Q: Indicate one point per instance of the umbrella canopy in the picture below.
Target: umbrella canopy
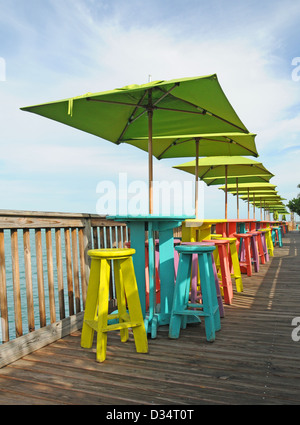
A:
(218, 169)
(160, 108)
(229, 144)
(180, 146)
(250, 187)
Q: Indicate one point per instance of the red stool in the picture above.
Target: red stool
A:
(261, 252)
(244, 242)
(224, 265)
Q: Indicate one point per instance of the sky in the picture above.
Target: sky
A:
(55, 49)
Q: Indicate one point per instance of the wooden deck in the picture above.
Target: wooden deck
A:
(253, 360)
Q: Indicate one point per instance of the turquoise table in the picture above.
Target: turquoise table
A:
(157, 315)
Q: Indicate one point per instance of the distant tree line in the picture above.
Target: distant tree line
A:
(294, 204)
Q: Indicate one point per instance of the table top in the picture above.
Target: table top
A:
(148, 218)
(196, 222)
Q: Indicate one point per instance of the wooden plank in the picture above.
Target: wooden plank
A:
(69, 271)
(82, 267)
(95, 238)
(102, 243)
(29, 343)
(3, 292)
(60, 280)
(16, 283)
(87, 244)
(50, 276)
(76, 270)
(38, 222)
(40, 276)
(28, 279)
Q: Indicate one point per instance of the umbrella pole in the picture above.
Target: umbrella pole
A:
(260, 210)
(237, 198)
(226, 192)
(254, 206)
(150, 157)
(197, 177)
(248, 203)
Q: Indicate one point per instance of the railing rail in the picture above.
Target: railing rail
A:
(57, 265)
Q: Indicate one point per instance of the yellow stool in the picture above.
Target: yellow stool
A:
(234, 259)
(96, 312)
(268, 235)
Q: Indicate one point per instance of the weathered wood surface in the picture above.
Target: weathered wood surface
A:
(253, 360)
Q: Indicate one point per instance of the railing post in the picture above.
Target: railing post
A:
(87, 244)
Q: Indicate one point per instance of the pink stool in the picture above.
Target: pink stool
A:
(195, 294)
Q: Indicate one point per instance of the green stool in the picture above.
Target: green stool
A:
(182, 308)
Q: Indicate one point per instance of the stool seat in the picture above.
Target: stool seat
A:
(129, 313)
(111, 253)
(194, 249)
(182, 309)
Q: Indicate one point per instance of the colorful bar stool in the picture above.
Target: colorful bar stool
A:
(222, 263)
(264, 243)
(209, 309)
(195, 288)
(96, 315)
(276, 236)
(244, 242)
(235, 269)
(269, 241)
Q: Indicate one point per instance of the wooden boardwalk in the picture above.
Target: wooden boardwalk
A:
(254, 359)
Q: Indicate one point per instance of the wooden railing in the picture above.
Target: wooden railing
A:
(44, 271)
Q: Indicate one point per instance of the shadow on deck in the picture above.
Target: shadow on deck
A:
(254, 359)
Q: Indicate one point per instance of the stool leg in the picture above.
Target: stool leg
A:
(248, 257)
(218, 291)
(134, 305)
(103, 310)
(255, 253)
(87, 333)
(182, 285)
(280, 237)
(226, 276)
(261, 249)
(208, 289)
(236, 267)
(120, 292)
(194, 283)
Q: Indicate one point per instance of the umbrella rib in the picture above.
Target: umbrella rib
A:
(167, 148)
(130, 119)
(203, 112)
(154, 104)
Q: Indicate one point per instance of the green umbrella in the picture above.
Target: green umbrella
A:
(250, 187)
(160, 108)
(257, 188)
(229, 144)
(218, 169)
(258, 199)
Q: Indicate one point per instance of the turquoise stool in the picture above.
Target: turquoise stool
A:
(209, 308)
(277, 236)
